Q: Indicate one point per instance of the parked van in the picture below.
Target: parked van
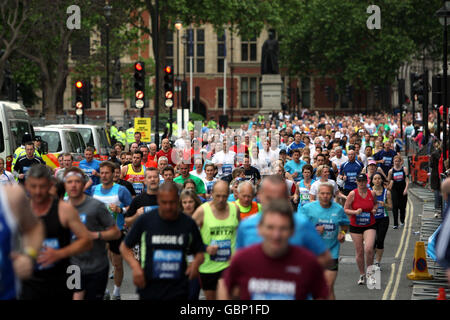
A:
(14, 123)
(59, 141)
(93, 136)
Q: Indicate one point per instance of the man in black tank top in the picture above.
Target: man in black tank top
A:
(61, 220)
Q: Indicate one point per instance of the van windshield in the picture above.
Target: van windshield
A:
(75, 145)
(53, 140)
(18, 129)
(87, 135)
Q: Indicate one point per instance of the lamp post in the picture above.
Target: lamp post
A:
(443, 14)
(107, 11)
(178, 26)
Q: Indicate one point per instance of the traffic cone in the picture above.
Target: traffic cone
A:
(441, 294)
(420, 268)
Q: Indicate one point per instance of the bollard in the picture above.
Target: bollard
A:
(420, 268)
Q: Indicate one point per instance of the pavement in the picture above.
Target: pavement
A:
(430, 221)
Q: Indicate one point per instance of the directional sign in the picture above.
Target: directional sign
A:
(139, 104)
(79, 112)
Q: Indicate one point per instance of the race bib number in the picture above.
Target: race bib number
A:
(224, 252)
(387, 161)
(138, 187)
(167, 264)
(363, 219)
(380, 213)
(25, 169)
(304, 196)
(398, 176)
(48, 243)
(329, 230)
(351, 177)
(227, 169)
(88, 171)
(265, 289)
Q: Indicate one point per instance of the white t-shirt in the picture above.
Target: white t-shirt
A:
(202, 175)
(316, 184)
(339, 162)
(227, 161)
(7, 177)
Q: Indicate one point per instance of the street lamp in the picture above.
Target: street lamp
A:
(107, 11)
(443, 14)
(178, 26)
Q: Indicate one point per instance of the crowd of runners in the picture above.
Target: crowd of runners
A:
(257, 212)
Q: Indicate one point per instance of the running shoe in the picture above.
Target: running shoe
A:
(402, 225)
(111, 275)
(395, 227)
(107, 296)
(362, 279)
(113, 297)
(378, 265)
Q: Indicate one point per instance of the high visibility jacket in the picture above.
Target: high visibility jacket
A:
(20, 151)
(114, 132)
(130, 135)
(122, 137)
(190, 126)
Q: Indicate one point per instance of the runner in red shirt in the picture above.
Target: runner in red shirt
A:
(166, 151)
(361, 205)
(274, 269)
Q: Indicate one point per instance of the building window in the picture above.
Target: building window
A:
(196, 50)
(220, 98)
(250, 93)
(248, 49)
(306, 93)
(221, 53)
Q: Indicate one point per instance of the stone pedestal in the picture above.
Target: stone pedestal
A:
(271, 87)
(117, 111)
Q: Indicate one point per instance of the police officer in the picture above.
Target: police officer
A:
(121, 136)
(130, 133)
(114, 133)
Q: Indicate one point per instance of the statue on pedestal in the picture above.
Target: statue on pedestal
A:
(269, 58)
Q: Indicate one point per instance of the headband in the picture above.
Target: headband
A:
(72, 174)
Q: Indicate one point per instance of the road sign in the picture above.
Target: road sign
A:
(139, 104)
(143, 125)
(79, 112)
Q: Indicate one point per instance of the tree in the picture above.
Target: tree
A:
(13, 14)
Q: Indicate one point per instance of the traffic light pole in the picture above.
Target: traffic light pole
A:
(157, 73)
(425, 105)
(444, 89)
(107, 70)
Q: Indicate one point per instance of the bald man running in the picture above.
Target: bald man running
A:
(218, 221)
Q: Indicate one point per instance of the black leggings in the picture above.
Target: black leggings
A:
(382, 226)
(398, 204)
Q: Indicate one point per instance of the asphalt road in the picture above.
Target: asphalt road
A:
(396, 263)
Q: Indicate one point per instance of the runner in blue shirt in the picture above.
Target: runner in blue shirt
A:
(349, 171)
(297, 144)
(385, 157)
(305, 235)
(295, 166)
(304, 185)
(328, 216)
(91, 167)
(116, 197)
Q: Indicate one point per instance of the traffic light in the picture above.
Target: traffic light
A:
(436, 90)
(168, 86)
(418, 87)
(79, 96)
(349, 92)
(87, 94)
(139, 84)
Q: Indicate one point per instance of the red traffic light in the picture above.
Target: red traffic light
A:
(169, 95)
(79, 84)
(168, 69)
(138, 66)
(79, 105)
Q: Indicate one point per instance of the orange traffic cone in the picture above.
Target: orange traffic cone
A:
(441, 294)
(420, 268)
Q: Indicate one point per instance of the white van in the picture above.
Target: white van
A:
(59, 141)
(93, 136)
(14, 123)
